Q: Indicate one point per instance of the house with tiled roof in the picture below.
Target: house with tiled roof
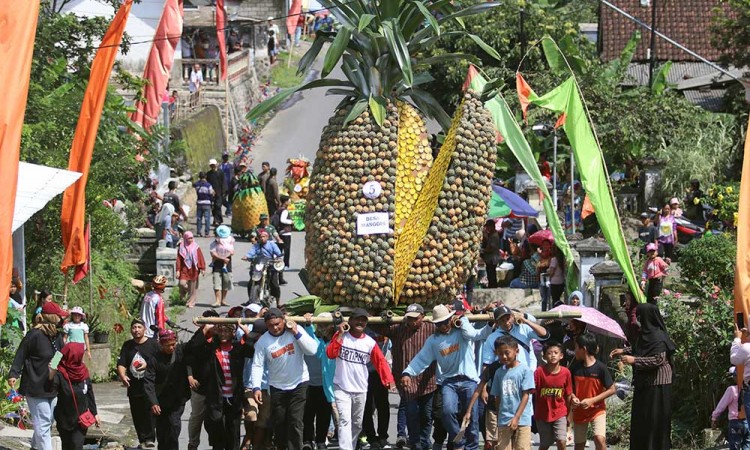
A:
(687, 22)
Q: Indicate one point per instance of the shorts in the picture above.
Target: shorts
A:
(260, 414)
(598, 426)
(508, 439)
(551, 432)
(490, 424)
(222, 281)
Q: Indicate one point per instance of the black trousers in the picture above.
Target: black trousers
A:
(491, 274)
(216, 210)
(287, 247)
(317, 415)
(557, 291)
(439, 433)
(168, 427)
(287, 413)
(143, 420)
(224, 434)
(72, 439)
(377, 401)
(653, 290)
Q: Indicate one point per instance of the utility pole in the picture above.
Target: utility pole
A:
(652, 45)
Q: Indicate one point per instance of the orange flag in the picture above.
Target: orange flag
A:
(742, 269)
(73, 215)
(221, 24)
(159, 64)
(18, 21)
(295, 9)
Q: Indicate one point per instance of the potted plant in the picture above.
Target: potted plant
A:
(98, 335)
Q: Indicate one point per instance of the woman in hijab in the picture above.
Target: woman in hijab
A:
(651, 358)
(190, 265)
(75, 394)
(31, 363)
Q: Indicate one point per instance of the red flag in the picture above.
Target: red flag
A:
(16, 47)
(159, 64)
(293, 17)
(524, 91)
(73, 216)
(221, 24)
(83, 269)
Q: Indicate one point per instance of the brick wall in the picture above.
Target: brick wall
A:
(262, 9)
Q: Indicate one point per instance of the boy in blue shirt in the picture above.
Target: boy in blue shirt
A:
(512, 386)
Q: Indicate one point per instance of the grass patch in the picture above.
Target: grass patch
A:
(283, 75)
(175, 311)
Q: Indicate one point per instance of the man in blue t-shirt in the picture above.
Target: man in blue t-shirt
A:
(205, 194)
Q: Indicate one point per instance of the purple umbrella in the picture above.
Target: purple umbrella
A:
(595, 321)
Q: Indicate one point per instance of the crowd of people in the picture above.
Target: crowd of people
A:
(272, 382)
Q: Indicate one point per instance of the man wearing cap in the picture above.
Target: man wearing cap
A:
(353, 350)
(167, 389)
(452, 349)
(281, 350)
(408, 338)
(225, 360)
(152, 307)
(264, 248)
(227, 169)
(216, 179)
(131, 369)
(205, 193)
(267, 227)
(517, 326)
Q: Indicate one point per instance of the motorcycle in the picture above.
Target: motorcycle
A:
(259, 286)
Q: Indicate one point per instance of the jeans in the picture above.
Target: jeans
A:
(287, 412)
(439, 434)
(738, 435)
(377, 402)
(197, 413)
(544, 292)
(351, 408)
(419, 420)
(42, 415)
(143, 420)
(317, 415)
(457, 393)
(168, 427)
(203, 217)
(401, 418)
(518, 284)
(297, 35)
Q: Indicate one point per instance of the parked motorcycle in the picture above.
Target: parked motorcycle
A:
(262, 273)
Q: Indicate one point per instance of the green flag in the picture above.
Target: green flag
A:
(566, 100)
(510, 131)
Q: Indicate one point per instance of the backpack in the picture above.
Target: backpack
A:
(276, 220)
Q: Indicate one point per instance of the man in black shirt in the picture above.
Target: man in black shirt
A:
(216, 179)
(131, 368)
(198, 374)
(172, 197)
(647, 231)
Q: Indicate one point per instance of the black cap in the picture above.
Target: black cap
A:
(210, 313)
(273, 313)
(501, 311)
(359, 312)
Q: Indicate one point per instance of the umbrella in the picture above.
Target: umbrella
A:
(504, 203)
(595, 321)
(541, 236)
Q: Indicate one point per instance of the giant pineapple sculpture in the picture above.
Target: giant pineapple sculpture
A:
(435, 206)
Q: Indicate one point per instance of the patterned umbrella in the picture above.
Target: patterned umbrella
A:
(595, 321)
(506, 203)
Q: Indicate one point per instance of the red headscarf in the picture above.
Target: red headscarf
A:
(71, 365)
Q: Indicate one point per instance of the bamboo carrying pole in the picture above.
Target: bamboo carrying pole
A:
(377, 320)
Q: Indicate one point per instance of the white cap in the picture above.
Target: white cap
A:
(212, 162)
(270, 19)
(254, 308)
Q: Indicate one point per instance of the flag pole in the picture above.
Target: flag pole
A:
(91, 272)
(226, 110)
(291, 50)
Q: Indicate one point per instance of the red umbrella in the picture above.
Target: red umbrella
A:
(541, 236)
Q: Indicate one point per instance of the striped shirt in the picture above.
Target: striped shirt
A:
(222, 353)
(652, 370)
(406, 344)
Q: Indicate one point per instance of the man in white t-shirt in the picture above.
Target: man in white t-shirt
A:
(196, 79)
(353, 350)
(281, 351)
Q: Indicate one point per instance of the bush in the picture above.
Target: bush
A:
(710, 261)
(725, 198)
(702, 335)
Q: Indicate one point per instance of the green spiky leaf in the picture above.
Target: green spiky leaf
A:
(364, 21)
(486, 47)
(377, 108)
(357, 109)
(336, 50)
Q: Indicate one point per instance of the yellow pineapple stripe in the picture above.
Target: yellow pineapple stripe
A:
(420, 216)
(413, 162)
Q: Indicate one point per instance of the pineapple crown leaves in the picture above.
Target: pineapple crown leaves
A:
(380, 45)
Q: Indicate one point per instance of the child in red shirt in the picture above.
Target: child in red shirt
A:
(554, 388)
(654, 271)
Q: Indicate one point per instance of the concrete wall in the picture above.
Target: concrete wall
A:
(262, 9)
(204, 135)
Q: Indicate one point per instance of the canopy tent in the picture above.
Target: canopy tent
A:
(506, 203)
(37, 185)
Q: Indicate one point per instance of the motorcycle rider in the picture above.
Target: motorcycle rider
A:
(264, 248)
